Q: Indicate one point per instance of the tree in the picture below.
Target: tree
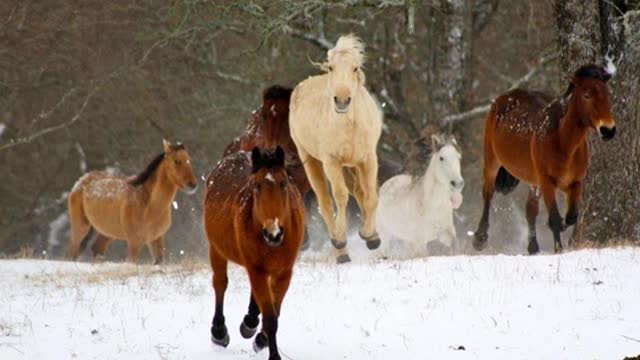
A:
(587, 32)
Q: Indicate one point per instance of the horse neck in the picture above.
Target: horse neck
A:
(571, 133)
(430, 183)
(160, 189)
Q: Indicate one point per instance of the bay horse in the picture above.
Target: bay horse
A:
(419, 211)
(336, 125)
(254, 217)
(531, 137)
(136, 210)
(268, 127)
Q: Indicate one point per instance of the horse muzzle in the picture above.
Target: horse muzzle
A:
(273, 237)
(606, 133)
(341, 105)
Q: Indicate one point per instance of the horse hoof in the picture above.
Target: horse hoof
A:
(246, 331)
(260, 342)
(373, 241)
(479, 241)
(344, 258)
(533, 247)
(338, 244)
(224, 342)
(306, 242)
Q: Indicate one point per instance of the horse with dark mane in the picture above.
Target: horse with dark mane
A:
(268, 127)
(137, 209)
(254, 217)
(531, 137)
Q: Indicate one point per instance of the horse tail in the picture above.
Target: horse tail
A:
(86, 238)
(505, 182)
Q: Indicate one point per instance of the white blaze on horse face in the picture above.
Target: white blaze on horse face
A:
(269, 177)
(272, 227)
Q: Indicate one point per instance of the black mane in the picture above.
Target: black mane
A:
(148, 171)
(593, 72)
(277, 92)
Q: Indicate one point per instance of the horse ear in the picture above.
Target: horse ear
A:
(256, 159)
(166, 145)
(436, 142)
(279, 156)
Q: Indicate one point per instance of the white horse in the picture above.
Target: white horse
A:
(418, 211)
(336, 124)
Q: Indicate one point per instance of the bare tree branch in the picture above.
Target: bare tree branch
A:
(481, 109)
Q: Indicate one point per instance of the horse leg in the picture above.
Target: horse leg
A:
(219, 333)
(250, 323)
(368, 187)
(532, 213)
(555, 220)
(133, 250)
(574, 194)
(318, 182)
(334, 173)
(79, 224)
(491, 167)
(156, 248)
(100, 246)
(270, 310)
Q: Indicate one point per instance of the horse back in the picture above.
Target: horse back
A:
(520, 111)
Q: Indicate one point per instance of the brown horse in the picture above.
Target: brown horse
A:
(137, 210)
(254, 217)
(268, 127)
(543, 142)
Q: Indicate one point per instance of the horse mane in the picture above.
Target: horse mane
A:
(594, 72)
(151, 168)
(277, 92)
(349, 44)
(148, 171)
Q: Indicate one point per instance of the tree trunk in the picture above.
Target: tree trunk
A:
(587, 32)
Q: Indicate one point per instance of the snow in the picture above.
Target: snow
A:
(175, 205)
(610, 67)
(578, 305)
(3, 127)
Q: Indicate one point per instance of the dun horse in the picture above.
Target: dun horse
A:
(419, 211)
(137, 210)
(335, 123)
(254, 217)
(530, 137)
(268, 127)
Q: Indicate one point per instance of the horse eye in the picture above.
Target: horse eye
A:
(283, 185)
(587, 96)
(177, 162)
(330, 68)
(441, 158)
(355, 69)
(258, 188)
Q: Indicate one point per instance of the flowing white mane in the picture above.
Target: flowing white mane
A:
(349, 44)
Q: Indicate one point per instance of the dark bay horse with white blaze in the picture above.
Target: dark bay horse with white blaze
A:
(137, 209)
(531, 137)
(253, 216)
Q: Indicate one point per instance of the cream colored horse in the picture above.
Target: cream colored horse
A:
(336, 124)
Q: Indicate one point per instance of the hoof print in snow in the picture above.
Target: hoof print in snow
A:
(94, 332)
(461, 348)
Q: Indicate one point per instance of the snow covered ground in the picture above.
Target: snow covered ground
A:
(579, 305)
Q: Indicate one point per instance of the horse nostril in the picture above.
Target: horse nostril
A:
(453, 183)
(335, 99)
(348, 101)
(606, 133)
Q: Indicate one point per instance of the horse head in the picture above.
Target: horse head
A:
(179, 169)
(270, 183)
(344, 67)
(446, 165)
(591, 97)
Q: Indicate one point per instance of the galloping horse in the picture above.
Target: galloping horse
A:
(254, 217)
(531, 137)
(268, 127)
(419, 211)
(335, 123)
(137, 210)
